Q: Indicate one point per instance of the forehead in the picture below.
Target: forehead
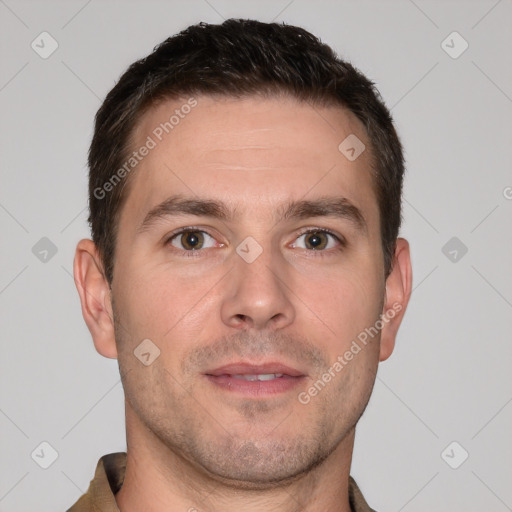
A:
(247, 152)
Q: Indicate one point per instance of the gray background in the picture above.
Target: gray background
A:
(449, 378)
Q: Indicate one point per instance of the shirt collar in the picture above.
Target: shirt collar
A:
(109, 477)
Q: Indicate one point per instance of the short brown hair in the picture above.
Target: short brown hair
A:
(238, 58)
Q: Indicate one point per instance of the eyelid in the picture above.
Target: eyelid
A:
(317, 229)
(186, 229)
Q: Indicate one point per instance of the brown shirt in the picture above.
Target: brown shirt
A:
(109, 477)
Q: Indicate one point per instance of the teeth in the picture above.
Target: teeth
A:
(260, 376)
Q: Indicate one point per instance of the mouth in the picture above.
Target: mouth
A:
(255, 380)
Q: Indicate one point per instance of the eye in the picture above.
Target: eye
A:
(317, 240)
(191, 240)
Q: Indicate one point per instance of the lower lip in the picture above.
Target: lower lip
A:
(255, 388)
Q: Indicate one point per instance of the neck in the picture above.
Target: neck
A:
(158, 479)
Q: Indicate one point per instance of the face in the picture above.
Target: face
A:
(249, 253)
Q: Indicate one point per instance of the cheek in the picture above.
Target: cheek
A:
(147, 293)
(169, 309)
(345, 302)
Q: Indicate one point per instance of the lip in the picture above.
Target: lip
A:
(223, 378)
(243, 368)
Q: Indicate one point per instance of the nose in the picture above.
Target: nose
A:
(258, 296)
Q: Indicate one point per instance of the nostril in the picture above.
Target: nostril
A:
(244, 320)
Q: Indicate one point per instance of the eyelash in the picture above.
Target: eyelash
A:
(197, 253)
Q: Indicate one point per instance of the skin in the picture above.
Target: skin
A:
(191, 444)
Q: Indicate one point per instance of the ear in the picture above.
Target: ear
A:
(95, 297)
(398, 292)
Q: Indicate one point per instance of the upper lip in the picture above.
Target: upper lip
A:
(245, 368)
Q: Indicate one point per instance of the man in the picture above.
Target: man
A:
(245, 270)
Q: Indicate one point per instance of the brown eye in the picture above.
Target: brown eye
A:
(317, 240)
(191, 240)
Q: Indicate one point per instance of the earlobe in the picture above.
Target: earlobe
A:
(94, 292)
(398, 292)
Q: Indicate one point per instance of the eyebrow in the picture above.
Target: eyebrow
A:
(174, 206)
